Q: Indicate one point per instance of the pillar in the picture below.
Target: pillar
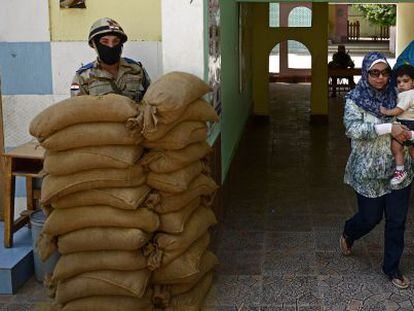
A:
(405, 26)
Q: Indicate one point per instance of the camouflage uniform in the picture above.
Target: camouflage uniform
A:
(132, 80)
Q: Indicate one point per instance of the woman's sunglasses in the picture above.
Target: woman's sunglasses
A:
(375, 73)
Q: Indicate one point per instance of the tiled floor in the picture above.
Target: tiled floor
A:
(278, 245)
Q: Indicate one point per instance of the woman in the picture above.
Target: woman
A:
(370, 165)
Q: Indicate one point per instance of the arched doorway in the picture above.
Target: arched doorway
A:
(290, 73)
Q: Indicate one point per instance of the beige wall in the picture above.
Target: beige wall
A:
(141, 19)
(315, 38)
(405, 26)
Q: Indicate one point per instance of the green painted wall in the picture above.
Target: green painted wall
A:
(236, 105)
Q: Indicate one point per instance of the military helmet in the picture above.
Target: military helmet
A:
(106, 26)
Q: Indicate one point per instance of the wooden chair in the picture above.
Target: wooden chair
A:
(25, 161)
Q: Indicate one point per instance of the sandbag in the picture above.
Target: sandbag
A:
(70, 265)
(167, 98)
(174, 222)
(173, 246)
(167, 161)
(66, 220)
(54, 187)
(124, 198)
(91, 134)
(109, 303)
(46, 245)
(201, 186)
(183, 267)
(101, 238)
(82, 109)
(163, 293)
(181, 136)
(199, 110)
(177, 181)
(105, 283)
(87, 158)
(194, 299)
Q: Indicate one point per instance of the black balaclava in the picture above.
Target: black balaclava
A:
(108, 55)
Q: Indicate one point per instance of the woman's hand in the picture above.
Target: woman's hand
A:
(383, 110)
(400, 132)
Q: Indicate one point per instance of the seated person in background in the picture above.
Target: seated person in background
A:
(341, 59)
(405, 115)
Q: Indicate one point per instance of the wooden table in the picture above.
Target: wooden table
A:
(27, 161)
(341, 73)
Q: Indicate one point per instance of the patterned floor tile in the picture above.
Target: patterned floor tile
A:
(334, 263)
(289, 263)
(240, 240)
(237, 291)
(288, 223)
(290, 290)
(240, 262)
(289, 241)
(352, 292)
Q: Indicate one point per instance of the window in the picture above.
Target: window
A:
(273, 14)
(300, 17)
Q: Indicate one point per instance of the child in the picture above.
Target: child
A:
(405, 115)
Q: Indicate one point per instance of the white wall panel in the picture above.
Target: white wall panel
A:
(24, 21)
(182, 36)
(67, 57)
(148, 53)
(18, 111)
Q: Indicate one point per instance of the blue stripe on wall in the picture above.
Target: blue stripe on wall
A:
(26, 68)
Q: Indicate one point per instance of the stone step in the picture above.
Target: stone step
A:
(16, 263)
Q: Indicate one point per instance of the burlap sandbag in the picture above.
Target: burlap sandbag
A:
(70, 265)
(194, 299)
(91, 134)
(109, 303)
(66, 220)
(167, 161)
(201, 186)
(167, 98)
(199, 110)
(207, 263)
(181, 136)
(183, 267)
(82, 109)
(54, 187)
(101, 238)
(105, 283)
(163, 293)
(173, 246)
(124, 198)
(177, 181)
(174, 222)
(46, 245)
(87, 158)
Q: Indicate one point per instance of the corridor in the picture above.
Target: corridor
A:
(285, 208)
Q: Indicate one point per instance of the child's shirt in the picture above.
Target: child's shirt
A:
(406, 103)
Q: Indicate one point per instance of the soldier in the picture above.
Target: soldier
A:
(110, 73)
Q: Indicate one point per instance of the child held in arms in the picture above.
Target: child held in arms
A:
(404, 111)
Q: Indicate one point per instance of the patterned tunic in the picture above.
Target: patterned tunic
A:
(371, 164)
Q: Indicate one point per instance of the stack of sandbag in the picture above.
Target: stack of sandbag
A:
(99, 221)
(175, 133)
